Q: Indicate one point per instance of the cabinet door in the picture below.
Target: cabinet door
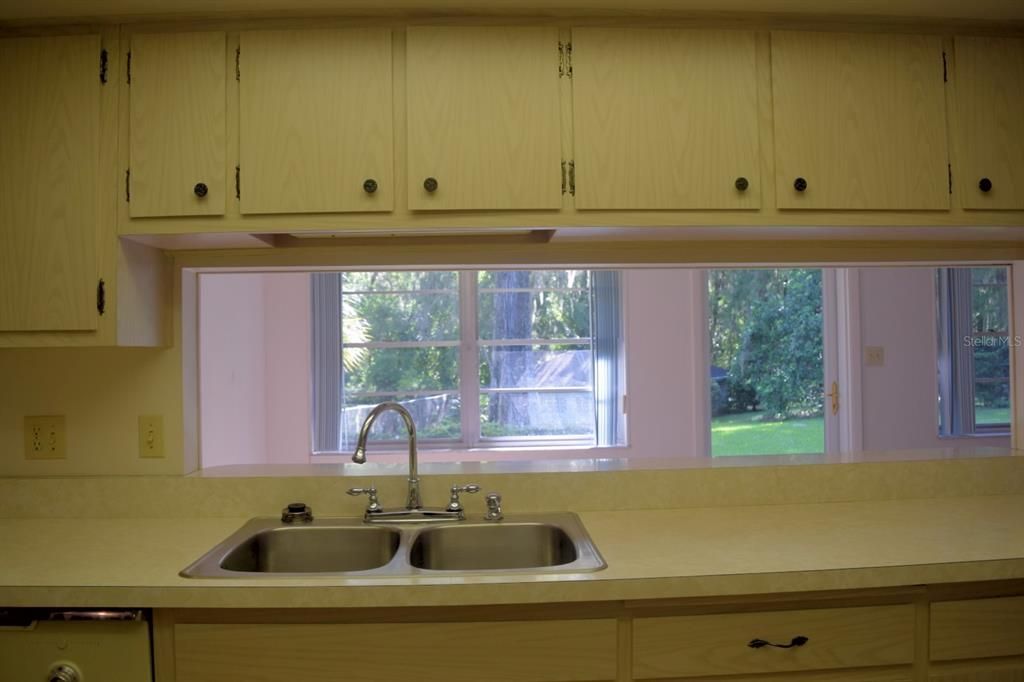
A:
(990, 122)
(860, 118)
(507, 651)
(483, 117)
(49, 161)
(665, 119)
(177, 124)
(316, 121)
(977, 628)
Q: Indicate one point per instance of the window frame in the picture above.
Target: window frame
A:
(469, 389)
(957, 410)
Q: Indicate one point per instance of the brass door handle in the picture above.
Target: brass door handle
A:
(834, 395)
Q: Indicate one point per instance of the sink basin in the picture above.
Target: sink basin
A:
(492, 547)
(313, 550)
(345, 546)
(522, 543)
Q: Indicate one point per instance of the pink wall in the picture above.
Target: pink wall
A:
(287, 327)
(899, 408)
(666, 356)
(232, 381)
(254, 368)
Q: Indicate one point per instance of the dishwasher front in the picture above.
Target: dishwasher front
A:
(74, 645)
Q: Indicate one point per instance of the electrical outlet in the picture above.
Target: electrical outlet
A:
(874, 356)
(45, 437)
(151, 436)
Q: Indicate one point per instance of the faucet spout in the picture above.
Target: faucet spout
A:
(413, 500)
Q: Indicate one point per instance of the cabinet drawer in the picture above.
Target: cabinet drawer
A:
(514, 651)
(682, 646)
(977, 628)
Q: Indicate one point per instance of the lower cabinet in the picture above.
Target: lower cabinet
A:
(977, 628)
(773, 641)
(977, 640)
(510, 651)
(860, 636)
(1015, 674)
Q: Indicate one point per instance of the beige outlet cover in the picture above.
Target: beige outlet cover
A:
(45, 437)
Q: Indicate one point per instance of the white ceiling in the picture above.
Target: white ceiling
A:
(48, 10)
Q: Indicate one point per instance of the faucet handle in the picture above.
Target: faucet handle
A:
(455, 505)
(494, 512)
(373, 506)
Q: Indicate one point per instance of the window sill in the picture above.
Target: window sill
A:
(990, 434)
(396, 464)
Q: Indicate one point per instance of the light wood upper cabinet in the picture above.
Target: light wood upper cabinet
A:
(665, 119)
(861, 119)
(49, 162)
(990, 122)
(316, 121)
(177, 124)
(483, 117)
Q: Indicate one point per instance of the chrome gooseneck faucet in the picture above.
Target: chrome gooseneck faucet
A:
(413, 501)
(414, 510)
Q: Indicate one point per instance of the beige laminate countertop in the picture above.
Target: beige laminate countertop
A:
(650, 554)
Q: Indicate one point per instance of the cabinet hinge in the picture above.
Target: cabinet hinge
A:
(103, 66)
(565, 60)
(128, 67)
(945, 68)
(569, 177)
(949, 170)
(128, 185)
(238, 63)
(101, 297)
(238, 182)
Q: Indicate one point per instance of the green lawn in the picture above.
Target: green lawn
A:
(992, 415)
(745, 434)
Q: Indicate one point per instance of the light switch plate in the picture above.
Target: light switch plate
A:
(151, 436)
(874, 356)
(45, 437)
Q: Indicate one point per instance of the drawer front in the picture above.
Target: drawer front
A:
(977, 628)
(539, 651)
(682, 646)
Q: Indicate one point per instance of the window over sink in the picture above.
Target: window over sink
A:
(480, 358)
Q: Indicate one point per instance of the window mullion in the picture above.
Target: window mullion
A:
(469, 359)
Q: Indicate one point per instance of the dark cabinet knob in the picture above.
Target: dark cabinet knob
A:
(985, 185)
(200, 189)
(800, 184)
(430, 184)
(742, 184)
(369, 185)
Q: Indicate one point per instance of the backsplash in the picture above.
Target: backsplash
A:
(101, 392)
(652, 488)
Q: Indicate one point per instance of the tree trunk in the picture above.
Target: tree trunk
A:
(513, 319)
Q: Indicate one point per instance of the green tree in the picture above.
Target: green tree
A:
(766, 330)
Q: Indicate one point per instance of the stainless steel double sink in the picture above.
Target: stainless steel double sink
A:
(525, 543)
